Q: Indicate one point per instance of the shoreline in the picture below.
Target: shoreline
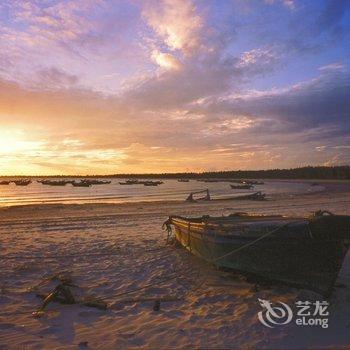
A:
(331, 185)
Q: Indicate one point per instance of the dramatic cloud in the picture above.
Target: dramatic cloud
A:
(143, 86)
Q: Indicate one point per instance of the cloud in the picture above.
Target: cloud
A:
(166, 60)
(131, 86)
(263, 126)
(314, 110)
(288, 3)
(336, 66)
(53, 77)
(176, 22)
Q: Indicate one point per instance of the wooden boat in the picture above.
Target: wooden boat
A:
(236, 181)
(22, 182)
(97, 182)
(151, 183)
(242, 187)
(80, 184)
(183, 180)
(55, 182)
(302, 252)
(191, 197)
(130, 182)
(252, 182)
(256, 196)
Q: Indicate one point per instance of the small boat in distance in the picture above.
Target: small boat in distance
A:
(305, 252)
(191, 197)
(142, 182)
(130, 182)
(256, 196)
(252, 182)
(22, 182)
(81, 183)
(55, 182)
(183, 180)
(208, 180)
(97, 182)
(4, 182)
(151, 183)
(242, 187)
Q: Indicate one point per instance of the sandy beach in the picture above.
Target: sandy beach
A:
(117, 252)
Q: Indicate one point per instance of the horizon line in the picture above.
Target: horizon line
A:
(179, 173)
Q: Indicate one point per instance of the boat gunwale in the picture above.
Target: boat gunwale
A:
(218, 232)
(229, 222)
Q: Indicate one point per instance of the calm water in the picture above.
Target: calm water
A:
(115, 193)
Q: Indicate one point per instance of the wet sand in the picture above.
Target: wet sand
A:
(118, 252)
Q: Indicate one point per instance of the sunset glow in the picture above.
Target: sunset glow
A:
(105, 86)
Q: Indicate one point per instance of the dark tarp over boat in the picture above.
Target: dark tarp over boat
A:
(303, 252)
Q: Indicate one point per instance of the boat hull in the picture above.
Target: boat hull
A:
(308, 263)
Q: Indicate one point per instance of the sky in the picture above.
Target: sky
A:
(140, 86)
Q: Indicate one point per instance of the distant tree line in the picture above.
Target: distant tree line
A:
(308, 172)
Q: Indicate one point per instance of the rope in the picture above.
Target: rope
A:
(249, 244)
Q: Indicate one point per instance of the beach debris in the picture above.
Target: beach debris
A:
(83, 345)
(62, 293)
(54, 277)
(156, 305)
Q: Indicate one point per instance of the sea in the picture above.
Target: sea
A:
(170, 190)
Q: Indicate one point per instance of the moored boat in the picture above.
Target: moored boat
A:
(252, 182)
(54, 182)
(80, 184)
(242, 187)
(131, 182)
(191, 196)
(151, 183)
(4, 182)
(305, 252)
(256, 196)
(23, 182)
(97, 181)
